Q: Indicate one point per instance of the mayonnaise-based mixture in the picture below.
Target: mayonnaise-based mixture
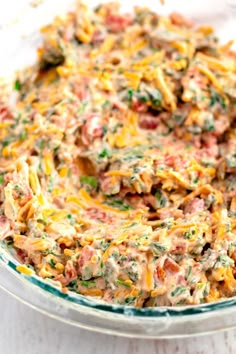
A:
(118, 161)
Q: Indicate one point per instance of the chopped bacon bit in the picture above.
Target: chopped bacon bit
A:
(4, 227)
(160, 273)
(234, 272)
(138, 106)
(180, 20)
(5, 114)
(92, 129)
(149, 122)
(98, 37)
(70, 272)
(95, 213)
(180, 248)
(174, 161)
(171, 266)
(195, 205)
(69, 33)
(21, 255)
(117, 23)
(62, 279)
(63, 246)
(85, 256)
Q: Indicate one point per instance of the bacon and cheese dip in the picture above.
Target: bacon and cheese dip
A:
(118, 161)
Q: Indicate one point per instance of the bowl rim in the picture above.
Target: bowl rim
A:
(47, 286)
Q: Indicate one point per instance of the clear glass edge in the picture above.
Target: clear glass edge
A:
(81, 311)
(119, 309)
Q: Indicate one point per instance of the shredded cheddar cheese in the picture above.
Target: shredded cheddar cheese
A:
(118, 163)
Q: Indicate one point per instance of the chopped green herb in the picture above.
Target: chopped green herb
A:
(179, 119)
(209, 124)
(189, 271)
(130, 94)
(123, 258)
(5, 142)
(224, 261)
(88, 283)
(178, 291)
(122, 283)
(206, 290)
(188, 146)
(104, 129)
(43, 221)
(195, 180)
(9, 242)
(210, 200)
(106, 104)
(131, 225)
(104, 245)
(1, 178)
(47, 252)
(50, 184)
(188, 234)
(25, 121)
(71, 219)
(23, 135)
(104, 153)
(155, 97)
(73, 285)
(167, 224)
(158, 249)
(143, 96)
(200, 286)
(87, 274)
(82, 107)
(216, 98)
(161, 199)
(118, 204)
(17, 85)
(28, 108)
(231, 160)
(52, 263)
(90, 180)
(41, 144)
(129, 300)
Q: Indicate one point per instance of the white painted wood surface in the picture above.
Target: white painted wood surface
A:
(24, 331)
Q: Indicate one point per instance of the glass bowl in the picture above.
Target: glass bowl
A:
(21, 30)
(81, 311)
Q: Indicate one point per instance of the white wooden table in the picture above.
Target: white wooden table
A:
(24, 331)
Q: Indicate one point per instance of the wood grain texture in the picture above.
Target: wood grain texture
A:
(24, 331)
